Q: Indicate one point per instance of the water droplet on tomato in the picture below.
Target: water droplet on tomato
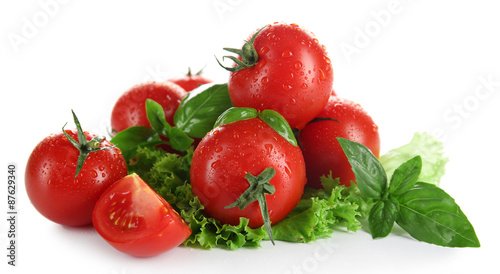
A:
(288, 171)
(287, 87)
(315, 41)
(215, 164)
(293, 101)
(287, 53)
(264, 80)
(218, 149)
(298, 65)
(304, 86)
(93, 174)
(103, 174)
(263, 50)
(322, 75)
(269, 148)
(259, 65)
(101, 167)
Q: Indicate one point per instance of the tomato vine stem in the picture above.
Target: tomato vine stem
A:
(259, 186)
(84, 146)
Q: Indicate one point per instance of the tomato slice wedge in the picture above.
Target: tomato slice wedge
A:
(135, 220)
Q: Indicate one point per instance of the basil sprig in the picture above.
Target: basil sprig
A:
(423, 210)
(194, 118)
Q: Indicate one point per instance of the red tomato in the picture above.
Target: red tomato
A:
(50, 182)
(228, 152)
(135, 220)
(130, 108)
(293, 75)
(190, 82)
(322, 151)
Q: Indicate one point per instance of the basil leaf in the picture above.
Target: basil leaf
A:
(130, 139)
(430, 215)
(234, 114)
(370, 175)
(156, 117)
(200, 109)
(405, 176)
(277, 122)
(382, 217)
(178, 140)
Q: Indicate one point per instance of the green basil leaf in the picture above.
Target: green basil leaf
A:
(179, 140)
(370, 175)
(234, 114)
(430, 215)
(277, 122)
(156, 117)
(382, 217)
(130, 139)
(200, 109)
(405, 176)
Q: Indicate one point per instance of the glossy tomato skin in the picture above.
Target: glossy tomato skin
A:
(130, 109)
(323, 153)
(135, 220)
(228, 152)
(190, 82)
(293, 75)
(50, 184)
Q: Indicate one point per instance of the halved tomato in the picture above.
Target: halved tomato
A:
(134, 219)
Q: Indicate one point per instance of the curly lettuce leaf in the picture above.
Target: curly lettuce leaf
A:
(315, 217)
(319, 212)
(428, 147)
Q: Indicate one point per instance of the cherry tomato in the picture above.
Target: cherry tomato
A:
(135, 220)
(190, 81)
(50, 183)
(323, 153)
(130, 108)
(293, 75)
(230, 151)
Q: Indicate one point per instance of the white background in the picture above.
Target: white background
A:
(413, 65)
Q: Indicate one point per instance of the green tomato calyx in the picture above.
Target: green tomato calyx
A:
(83, 145)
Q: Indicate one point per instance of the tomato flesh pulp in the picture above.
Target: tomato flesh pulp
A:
(134, 219)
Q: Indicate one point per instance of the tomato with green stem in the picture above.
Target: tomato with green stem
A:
(137, 221)
(323, 153)
(245, 168)
(284, 68)
(191, 81)
(67, 172)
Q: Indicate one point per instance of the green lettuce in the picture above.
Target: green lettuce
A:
(428, 147)
(316, 216)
